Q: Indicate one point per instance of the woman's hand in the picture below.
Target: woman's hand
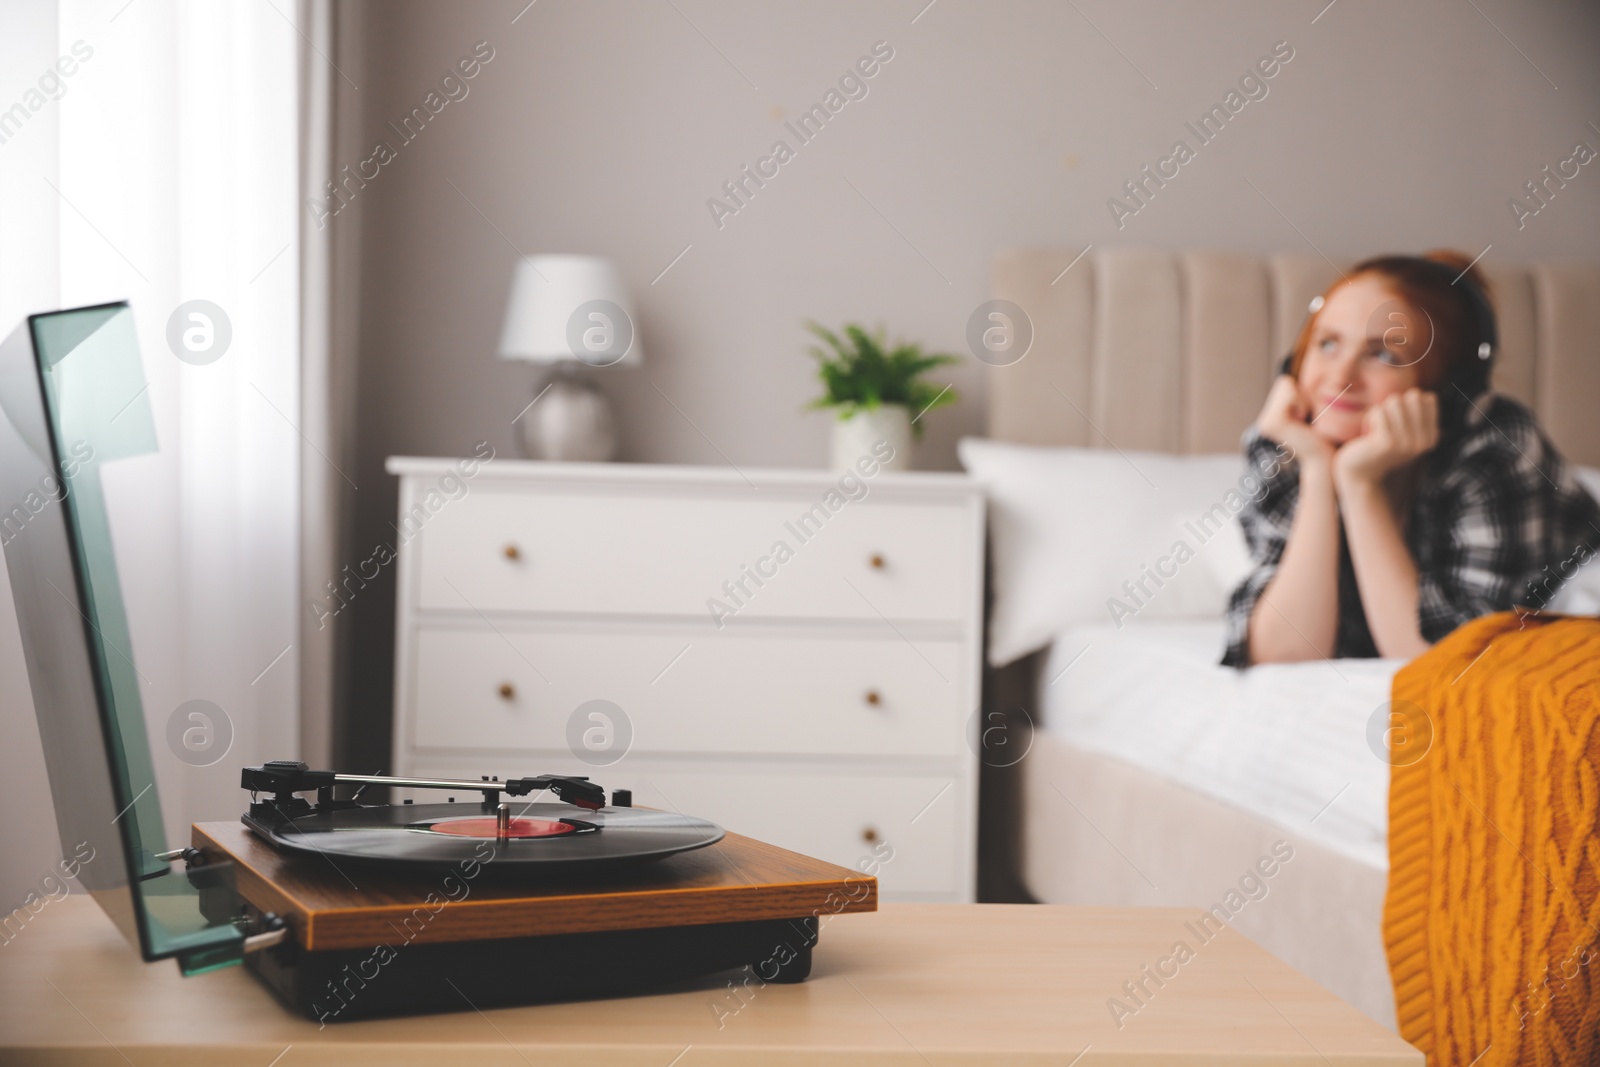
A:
(1397, 431)
(1284, 420)
(1297, 615)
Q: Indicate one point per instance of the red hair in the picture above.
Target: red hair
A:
(1419, 281)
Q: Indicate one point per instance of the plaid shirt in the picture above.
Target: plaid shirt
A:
(1496, 514)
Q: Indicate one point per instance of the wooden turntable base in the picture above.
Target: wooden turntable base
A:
(735, 903)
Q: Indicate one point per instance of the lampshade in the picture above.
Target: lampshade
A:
(573, 308)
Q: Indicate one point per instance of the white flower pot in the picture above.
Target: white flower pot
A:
(885, 431)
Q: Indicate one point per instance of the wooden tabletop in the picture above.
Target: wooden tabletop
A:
(913, 984)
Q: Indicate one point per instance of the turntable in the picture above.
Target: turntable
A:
(369, 910)
(546, 888)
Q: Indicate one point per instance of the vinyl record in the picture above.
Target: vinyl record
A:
(553, 838)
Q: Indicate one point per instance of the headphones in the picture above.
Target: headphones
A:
(1469, 378)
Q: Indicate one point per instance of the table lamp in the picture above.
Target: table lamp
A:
(569, 311)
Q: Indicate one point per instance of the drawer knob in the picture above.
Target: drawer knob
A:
(873, 697)
(876, 561)
(513, 552)
(507, 691)
(869, 834)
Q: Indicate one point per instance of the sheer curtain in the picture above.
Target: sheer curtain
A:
(164, 168)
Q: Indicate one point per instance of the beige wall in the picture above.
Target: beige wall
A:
(604, 127)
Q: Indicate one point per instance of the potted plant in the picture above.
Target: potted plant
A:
(877, 391)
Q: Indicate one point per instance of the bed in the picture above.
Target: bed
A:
(1153, 775)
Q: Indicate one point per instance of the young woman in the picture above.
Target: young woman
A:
(1416, 499)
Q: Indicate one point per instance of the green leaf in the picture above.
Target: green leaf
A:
(861, 371)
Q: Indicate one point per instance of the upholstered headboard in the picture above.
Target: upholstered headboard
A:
(1173, 351)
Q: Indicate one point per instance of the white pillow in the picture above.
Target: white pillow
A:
(1580, 594)
(1069, 526)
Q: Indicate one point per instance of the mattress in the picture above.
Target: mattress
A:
(1098, 831)
(1298, 745)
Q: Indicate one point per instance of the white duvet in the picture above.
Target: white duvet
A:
(1287, 742)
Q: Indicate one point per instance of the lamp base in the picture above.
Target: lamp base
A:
(571, 421)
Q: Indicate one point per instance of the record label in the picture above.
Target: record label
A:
(487, 826)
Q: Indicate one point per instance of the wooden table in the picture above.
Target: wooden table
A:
(913, 984)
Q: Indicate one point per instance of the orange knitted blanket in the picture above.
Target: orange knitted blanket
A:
(1492, 921)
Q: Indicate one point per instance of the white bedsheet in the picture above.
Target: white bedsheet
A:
(1288, 742)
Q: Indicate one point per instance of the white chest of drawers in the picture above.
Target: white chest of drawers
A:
(793, 657)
